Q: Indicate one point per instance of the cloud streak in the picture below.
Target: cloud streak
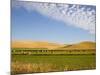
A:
(80, 16)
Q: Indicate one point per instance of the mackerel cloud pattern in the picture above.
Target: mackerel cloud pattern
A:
(80, 16)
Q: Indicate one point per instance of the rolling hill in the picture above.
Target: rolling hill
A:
(81, 45)
(31, 44)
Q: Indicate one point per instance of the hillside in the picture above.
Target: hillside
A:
(81, 45)
(31, 44)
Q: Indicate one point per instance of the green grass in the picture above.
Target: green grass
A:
(62, 62)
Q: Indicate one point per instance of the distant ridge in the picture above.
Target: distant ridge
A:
(32, 44)
(38, 44)
(81, 45)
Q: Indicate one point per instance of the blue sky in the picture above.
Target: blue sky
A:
(32, 25)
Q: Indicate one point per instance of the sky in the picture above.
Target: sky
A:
(51, 22)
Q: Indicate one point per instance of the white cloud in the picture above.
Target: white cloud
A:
(80, 16)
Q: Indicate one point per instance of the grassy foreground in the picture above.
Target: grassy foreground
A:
(50, 63)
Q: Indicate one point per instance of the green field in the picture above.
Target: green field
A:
(52, 62)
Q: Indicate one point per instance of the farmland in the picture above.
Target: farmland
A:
(48, 63)
(66, 58)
